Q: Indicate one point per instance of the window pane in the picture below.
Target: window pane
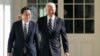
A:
(89, 11)
(89, 1)
(42, 12)
(69, 26)
(68, 11)
(42, 1)
(54, 1)
(79, 1)
(31, 1)
(68, 1)
(89, 26)
(34, 10)
(78, 11)
(78, 26)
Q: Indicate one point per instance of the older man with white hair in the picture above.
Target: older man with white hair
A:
(50, 28)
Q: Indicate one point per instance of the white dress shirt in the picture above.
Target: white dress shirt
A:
(52, 22)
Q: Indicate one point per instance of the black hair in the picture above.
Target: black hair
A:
(24, 8)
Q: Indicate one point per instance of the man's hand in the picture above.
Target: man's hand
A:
(66, 54)
(9, 54)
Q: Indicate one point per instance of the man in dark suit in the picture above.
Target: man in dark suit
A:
(23, 38)
(50, 28)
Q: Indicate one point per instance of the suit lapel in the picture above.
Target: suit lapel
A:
(21, 28)
(29, 30)
(45, 26)
(45, 22)
(55, 23)
(54, 26)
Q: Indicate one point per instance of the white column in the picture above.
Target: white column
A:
(61, 15)
(16, 6)
(60, 8)
(1, 27)
(97, 27)
(11, 11)
(7, 23)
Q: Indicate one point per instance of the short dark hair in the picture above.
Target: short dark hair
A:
(24, 8)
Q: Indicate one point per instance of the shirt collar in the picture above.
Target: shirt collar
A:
(53, 17)
(24, 22)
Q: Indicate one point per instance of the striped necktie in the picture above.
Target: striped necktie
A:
(50, 25)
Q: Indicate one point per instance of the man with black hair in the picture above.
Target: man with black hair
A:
(23, 38)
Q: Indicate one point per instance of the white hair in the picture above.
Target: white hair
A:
(51, 4)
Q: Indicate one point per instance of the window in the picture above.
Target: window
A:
(79, 16)
(38, 7)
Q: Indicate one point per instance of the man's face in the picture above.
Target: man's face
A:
(26, 15)
(51, 10)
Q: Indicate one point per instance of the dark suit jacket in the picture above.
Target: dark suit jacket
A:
(17, 42)
(50, 42)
